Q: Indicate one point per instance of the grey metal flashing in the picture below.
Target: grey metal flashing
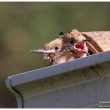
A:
(52, 86)
(60, 68)
(15, 92)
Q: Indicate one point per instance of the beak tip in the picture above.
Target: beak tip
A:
(33, 51)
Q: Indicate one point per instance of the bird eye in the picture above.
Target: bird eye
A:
(72, 41)
(56, 48)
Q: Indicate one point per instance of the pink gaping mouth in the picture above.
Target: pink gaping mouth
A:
(80, 46)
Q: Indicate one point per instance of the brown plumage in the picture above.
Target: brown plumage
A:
(68, 46)
(63, 48)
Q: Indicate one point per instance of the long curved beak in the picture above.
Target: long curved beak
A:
(42, 51)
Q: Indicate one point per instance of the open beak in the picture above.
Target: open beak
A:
(42, 51)
(81, 46)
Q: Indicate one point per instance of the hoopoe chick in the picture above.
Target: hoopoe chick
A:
(52, 51)
(54, 57)
(75, 36)
(67, 47)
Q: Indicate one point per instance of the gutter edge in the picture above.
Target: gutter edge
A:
(16, 93)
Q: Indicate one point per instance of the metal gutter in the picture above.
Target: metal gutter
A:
(21, 84)
(15, 92)
(60, 68)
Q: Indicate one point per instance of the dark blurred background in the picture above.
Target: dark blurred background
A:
(26, 26)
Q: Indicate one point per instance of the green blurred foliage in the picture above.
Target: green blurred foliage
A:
(26, 26)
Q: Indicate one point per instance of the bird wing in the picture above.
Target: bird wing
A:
(99, 40)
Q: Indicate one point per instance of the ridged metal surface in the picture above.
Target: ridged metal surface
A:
(80, 83)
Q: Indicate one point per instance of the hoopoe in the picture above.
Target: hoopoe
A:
(69, 46)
